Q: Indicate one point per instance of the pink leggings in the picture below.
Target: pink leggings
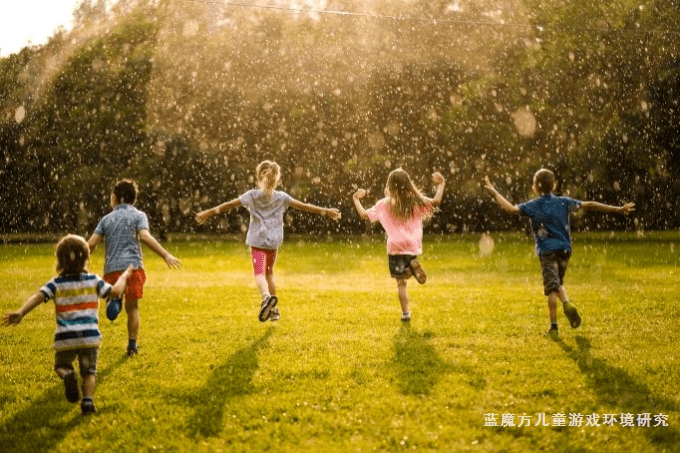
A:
(263, 260)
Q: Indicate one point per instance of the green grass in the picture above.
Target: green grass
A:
(340, 372)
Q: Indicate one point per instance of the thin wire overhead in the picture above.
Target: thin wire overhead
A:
(469, 23)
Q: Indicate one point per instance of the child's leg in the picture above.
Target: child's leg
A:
(403, 297)
(88, 385)
(552, 306)
(262, 285)
(132, 310)
(63, 366)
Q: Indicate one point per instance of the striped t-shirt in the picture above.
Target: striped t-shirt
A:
(76, 300)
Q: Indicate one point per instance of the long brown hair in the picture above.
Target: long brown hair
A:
(72, 255)
(404, 196)
(268, 176)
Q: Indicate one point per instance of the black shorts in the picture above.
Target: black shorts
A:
(553, 268)
(399, 264)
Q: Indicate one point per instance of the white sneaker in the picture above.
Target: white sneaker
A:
(274, 314)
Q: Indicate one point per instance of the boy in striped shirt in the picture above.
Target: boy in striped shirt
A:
(76, 295)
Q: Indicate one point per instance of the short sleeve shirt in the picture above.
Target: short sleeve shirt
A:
(549, 216)
(265, 229)
(76, 302)
(404, 237)
(120, 229)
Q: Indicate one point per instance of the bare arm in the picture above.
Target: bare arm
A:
(203, 216)
(504, 204)
(154, 245)
(118, 288)
(94, 240)
(32, 302)
(595, 206)
(438, 179)
(306, 207)
(358, 195)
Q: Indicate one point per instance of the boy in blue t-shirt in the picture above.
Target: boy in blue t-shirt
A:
(122, 231)
(549, 216)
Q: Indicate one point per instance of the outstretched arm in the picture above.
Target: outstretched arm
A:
(93, 241)
(595, 206)
(154, 245)
(306, 207)
(500, 199)
(358, 195)
(32, 302)
(439, 180)
(203, 216)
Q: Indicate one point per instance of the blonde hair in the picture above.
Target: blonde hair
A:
(73, 254)
(404, 196)
(268, 176)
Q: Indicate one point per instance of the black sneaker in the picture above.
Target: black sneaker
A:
(71, 387)
(267, 305)
(113, 307)
(87, 407)
(132, 350)
(571, 314)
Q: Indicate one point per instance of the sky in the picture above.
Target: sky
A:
(34, 21)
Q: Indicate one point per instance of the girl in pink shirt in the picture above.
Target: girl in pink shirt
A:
(401, 214)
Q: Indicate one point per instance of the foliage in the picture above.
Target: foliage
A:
(188, 97)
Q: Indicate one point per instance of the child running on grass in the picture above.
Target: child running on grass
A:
(401, 214)
(550, 225)
(76, 295)
(265, 230)
(122, 230)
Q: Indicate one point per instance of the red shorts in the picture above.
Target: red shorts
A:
(263, 260)
(135, 283)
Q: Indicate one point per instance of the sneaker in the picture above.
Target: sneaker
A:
(552, 332)
(113, 307)
(406, 317)
(71, 387)
(87, 407)
(572, 314)
(274, 314)
(418, 271)
(266, 308)
(132, 350)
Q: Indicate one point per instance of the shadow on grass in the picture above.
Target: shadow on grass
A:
(42, 425)
(417, 366)
(615, 387)
(229, 380)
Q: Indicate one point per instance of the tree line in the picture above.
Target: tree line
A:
(188, 98)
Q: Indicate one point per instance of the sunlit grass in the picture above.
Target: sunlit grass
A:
(340, 372)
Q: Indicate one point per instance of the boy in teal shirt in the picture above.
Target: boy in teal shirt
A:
(549, 216)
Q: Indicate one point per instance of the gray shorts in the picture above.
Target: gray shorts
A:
(553, 268)
(87, 360)
(399, 264)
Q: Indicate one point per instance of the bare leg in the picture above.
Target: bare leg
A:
(552, 306)
(88, 385)
(132, 310)
(271, 284)
(403, 297)
(262, 285)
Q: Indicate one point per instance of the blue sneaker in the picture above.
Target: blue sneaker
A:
(113, 307)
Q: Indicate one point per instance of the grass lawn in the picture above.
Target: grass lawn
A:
(339, 372)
